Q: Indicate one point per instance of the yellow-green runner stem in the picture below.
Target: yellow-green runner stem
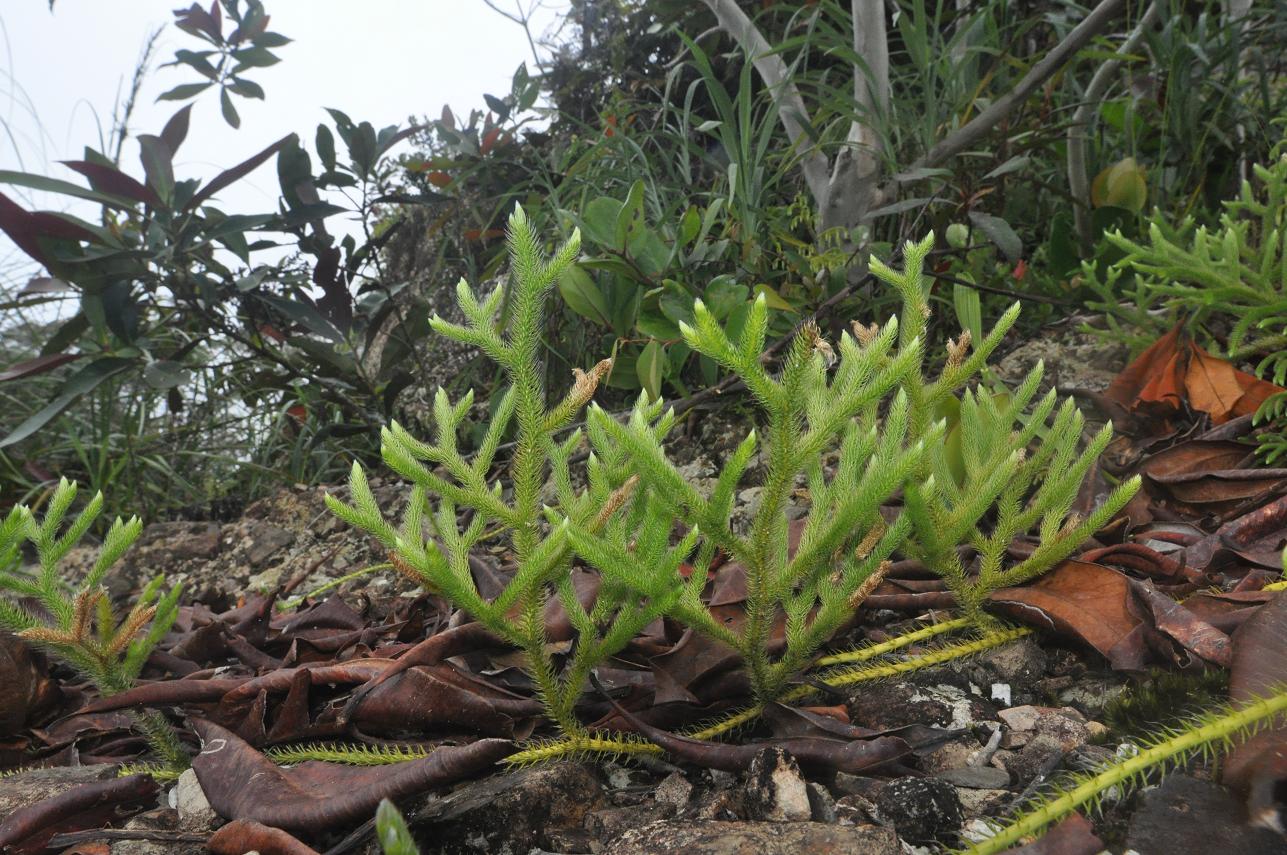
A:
(871, 651)
(1218, 729)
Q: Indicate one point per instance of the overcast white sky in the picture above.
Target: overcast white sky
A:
(378, 60)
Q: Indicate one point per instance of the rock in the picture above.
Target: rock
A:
(513, 812)
(1019, 665)
(1188, 815)
(985, 803)
(923, 810)
(609, 823)
(1021, 718)
(856, 810)
(775, 789)
(266, 541)
(673, 792)
(976, 777)
(949, 755)
(822, 807)
(1038, 756)
(755, 838)
(888, 705)
(195, 813)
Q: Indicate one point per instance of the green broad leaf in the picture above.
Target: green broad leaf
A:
(623, 374)
(184, 91)
(773, 299)
(85, 380)
(630, 221)
(676, 304)
(969, 310)
(1014, 164)
(392, 832)
(155, 155)
(326, 146)
(1061, 250)
(652, 322)
(303, 314)
(651, 367)
(1000, 233)
(230, 114)
(63, 188)
(649, 252)
(583, 296)
(166, 374)
(723, 295)
(246, 88)
(599, 221)
(1122, 185)
(690, 224)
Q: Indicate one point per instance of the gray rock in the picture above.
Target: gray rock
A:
(266, 541)
(923, 810)
(195, 813)
(674, 791)
(755, 838)
(822, 807)
(1188, 815)
(515, 812)
(976, 777)
(775, 789)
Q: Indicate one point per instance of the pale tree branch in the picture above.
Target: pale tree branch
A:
(1078, 179)
(974, 130)
(786, 96)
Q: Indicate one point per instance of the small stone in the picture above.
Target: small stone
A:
(976, 777)
(822, 807)
(976, 803)
(1001, 693)
(855, 810)
(775, 789)
(1034, 758)
(923, 810)
(195, 813)
(1021, 718)
(674, 791)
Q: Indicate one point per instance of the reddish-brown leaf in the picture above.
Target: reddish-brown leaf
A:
(240, 836)
(1083, 600)
(87, 806)
(241, 783)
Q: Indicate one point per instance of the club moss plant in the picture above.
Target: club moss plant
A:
(878, 412)
(453, 498)
(76, 623)
(857, 425)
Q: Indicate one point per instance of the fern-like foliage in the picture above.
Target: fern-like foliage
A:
(879, 411)
(75, 622)
(447, 486)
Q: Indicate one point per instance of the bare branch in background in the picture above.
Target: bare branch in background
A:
(1078, 180)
